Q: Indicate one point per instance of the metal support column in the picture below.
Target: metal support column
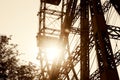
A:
(104, 52)
(84, 38)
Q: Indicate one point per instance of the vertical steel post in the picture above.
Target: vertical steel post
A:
(84, 38)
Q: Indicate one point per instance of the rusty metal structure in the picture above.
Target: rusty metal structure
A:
(88, 39)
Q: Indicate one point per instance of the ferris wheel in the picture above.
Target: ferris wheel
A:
(79, 39)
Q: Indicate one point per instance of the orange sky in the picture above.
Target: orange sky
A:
(19, 18)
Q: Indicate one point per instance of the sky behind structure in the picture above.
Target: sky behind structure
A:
(19, 19)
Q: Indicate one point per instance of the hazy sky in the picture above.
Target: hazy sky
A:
(19, 18)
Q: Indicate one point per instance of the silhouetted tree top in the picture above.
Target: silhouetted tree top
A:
(10, 69)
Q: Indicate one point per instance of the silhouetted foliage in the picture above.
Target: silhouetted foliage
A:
(9, 67)
(8, 60)
(27, 72)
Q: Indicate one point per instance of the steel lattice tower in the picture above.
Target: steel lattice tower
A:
(80, 29)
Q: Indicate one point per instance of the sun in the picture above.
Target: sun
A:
(52, 53)
(50, 49)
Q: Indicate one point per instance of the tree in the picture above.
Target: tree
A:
(9, 67)
(27, 72)
(8, 60)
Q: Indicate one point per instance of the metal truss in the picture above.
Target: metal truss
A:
(73, 59)
(106, 6)
(96, 75)
(48, 33)
(114, 32)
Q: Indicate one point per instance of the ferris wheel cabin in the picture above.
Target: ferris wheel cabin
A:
(53, 2)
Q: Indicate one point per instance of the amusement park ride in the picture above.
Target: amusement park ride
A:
(79, 29)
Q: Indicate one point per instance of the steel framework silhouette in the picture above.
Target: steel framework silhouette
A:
(81, 28)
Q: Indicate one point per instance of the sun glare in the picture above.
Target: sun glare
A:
(52, 53)
(50, 48)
